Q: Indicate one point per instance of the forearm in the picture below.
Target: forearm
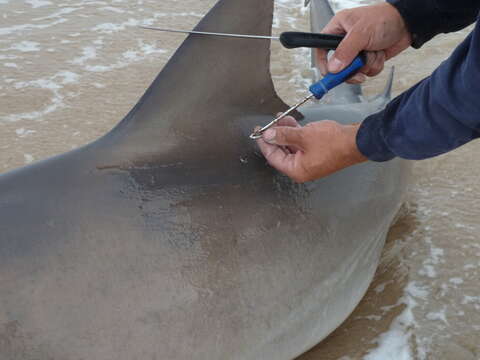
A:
(439, 114)
(427, 18)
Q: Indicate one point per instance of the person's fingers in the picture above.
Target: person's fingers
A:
(371, 57)
(349, 48)
(269, 150)
(358, 78)
(276, 155)
(334, 26)
(398, 47)
(284, 135)
(281, 160)
(288, 121)
(322, 61)
(375, 63)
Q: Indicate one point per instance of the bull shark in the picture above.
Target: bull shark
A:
(171, 238)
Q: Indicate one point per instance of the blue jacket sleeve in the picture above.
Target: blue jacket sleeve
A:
(427, 18)
(439, 114)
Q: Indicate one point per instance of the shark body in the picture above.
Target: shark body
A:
(170, 237)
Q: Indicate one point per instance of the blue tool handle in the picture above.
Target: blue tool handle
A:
(330, 80)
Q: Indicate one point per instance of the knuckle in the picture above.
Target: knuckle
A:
(341, 14)
(296, 137)
(280, 136)
(347, 16)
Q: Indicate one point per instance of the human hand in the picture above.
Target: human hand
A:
(379, 29)
(310, 152)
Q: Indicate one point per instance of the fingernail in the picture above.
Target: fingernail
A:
(269, 136)
(335, 65)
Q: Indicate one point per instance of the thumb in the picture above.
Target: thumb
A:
(348, 49)
(285, 135)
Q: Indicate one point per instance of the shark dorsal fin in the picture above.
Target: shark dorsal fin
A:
(209, 85)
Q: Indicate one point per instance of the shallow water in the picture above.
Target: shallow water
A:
(71, 69)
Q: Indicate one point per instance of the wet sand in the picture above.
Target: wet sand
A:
(70, 70)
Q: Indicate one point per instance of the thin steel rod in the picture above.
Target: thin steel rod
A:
(258, 134)
(212, 33)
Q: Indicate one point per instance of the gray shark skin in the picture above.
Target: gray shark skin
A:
(171, 238)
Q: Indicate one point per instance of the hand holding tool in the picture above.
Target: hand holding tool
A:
(318, 90)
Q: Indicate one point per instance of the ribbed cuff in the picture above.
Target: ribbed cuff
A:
(371, 141)
(420, 17)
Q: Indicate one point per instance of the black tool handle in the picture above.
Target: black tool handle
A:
(291, 40)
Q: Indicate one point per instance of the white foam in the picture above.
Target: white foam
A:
(344, 4)
(68, 77)
(10, 65)
(105, 68)
(468, 299)
(54, 84)
(38, 3)
(88, 53)
(26, 27)
(182, 14)
(109, 28)
(130, 56)
(428, 270)
(26, 46)
(28, 158)
(417, 291)
(456, 280)
(61, 12)
(437, 316)
(380, 288)
(22, 132)
(435, 258)
(395, 343)
(112, 9)
(8, 57)
(149, 49)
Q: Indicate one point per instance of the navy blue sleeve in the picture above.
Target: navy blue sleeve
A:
(427, 18)
(439, 114)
